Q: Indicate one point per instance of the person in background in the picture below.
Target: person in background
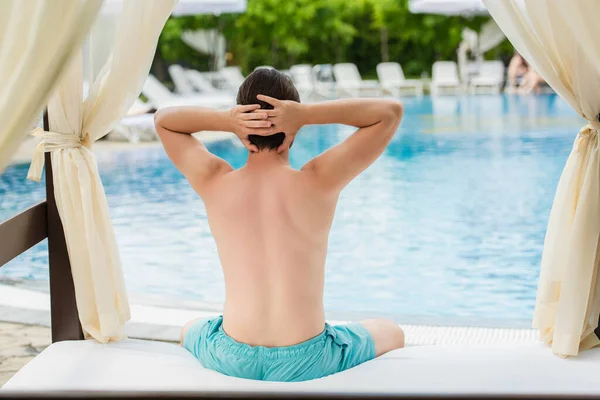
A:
(517, 69)
(532, 82)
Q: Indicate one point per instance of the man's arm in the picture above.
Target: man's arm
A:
(377, 120)
(176, 124)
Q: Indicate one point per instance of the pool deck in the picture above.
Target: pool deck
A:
(25, 322)
(25, 306)
(25, 151)
(19, 344)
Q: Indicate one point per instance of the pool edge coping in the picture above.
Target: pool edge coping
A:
(164, 323)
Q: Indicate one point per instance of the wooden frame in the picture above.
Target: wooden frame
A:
(26, 229)
(63, 306)
(30, 227)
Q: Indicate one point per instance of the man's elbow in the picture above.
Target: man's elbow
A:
(393, 111)
(396, 110)
(159, 117)
(162, 119)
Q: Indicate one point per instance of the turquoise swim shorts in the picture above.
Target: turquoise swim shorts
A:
(336, 349)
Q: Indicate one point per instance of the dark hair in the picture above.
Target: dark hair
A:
(272, 83)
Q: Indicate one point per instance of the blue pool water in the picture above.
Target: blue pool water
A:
(449, 222)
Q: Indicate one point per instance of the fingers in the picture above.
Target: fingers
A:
(267, 99)
(257, 124)
(248, 107)
(256, 114)
(269, 113)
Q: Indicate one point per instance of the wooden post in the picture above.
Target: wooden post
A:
(63, 306)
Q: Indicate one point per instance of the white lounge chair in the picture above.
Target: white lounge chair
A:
(199, 82)
(392, 80)
(139, 108)
(444, 78)
(324, 80)
(302, 75)
(349, 82)
(490, 78)
(136, 126)
(134, 129)
(161, 97)
(181, 81)
(232, 76)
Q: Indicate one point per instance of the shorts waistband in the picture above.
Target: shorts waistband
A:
(309, 346)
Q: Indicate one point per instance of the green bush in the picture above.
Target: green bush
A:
(283, 33)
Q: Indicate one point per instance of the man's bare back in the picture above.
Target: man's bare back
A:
(271, 223)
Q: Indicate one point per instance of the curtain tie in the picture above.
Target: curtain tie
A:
(594, 123)
(589, 131)
(51, 141)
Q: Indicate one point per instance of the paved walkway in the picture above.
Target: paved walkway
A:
(18, 345)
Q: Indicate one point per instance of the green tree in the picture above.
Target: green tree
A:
(365, 32)
(284, 33)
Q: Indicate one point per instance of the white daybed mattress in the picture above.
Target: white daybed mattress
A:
(150, 366)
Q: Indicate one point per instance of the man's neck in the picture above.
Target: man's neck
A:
(265, 158)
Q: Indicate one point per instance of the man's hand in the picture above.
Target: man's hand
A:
(250, 120)
(286, 116)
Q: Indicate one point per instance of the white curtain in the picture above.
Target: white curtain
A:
(75, 123)
(560, 40)
(37, 38)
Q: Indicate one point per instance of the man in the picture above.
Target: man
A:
(271, 225)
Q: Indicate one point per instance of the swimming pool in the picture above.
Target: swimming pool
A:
(448, 224)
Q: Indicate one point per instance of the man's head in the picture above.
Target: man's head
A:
(268, 82)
